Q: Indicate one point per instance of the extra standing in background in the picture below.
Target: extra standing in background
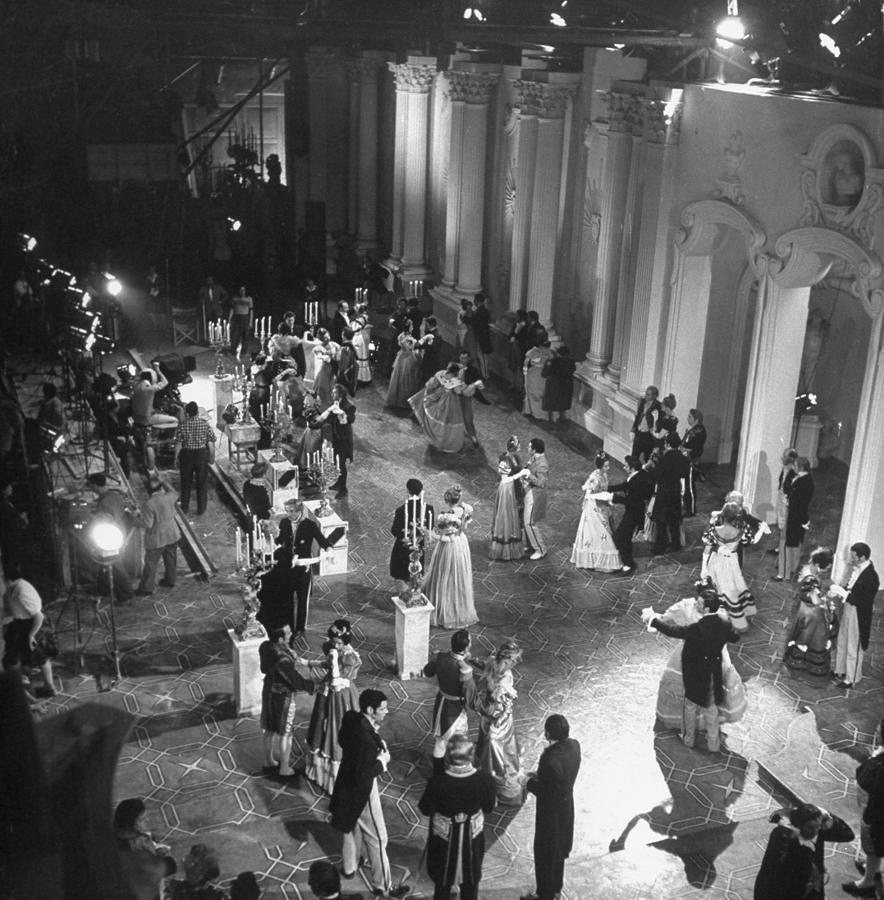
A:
(194, 453)
(856, 617)
(242, 314)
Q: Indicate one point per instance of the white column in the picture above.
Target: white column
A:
(625, 280)
(472, 91)
(661, 137)
(453, 188)
(771, 383)
(526, 160)
(861, 518)
(613, 213)
(367, 168)
(413, 83)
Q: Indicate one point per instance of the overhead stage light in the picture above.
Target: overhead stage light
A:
(557, 20)
(234, 224)
(114, 288)
(27, 242)
(729, 31)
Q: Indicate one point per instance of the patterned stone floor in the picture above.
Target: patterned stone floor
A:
(693, 824)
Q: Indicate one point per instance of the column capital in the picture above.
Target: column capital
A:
(471, 87)
(622, 110)
(537, 98)
(363, 70)
(662, 121)
(412, 79)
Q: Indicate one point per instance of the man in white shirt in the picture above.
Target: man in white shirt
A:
(23, 615)
(856, 618)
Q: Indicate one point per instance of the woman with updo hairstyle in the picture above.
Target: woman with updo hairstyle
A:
(594, 544)
(808, 641)
(456, 799)
(721, 563)
(449, 580)
(820, 566)
(506, 523)
(497, 750)
(335, 674)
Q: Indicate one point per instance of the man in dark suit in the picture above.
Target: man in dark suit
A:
(355, 803)
(405, 514)
(553, 785)
(413, 312)
(482, 331)
(342, 414)
(297, 535)
(700, 663)
(457, 691)
(431, 362)
(856, 618)
(469, 375)
(634, 494)
(644, 422)
(348, 365)
(672, 474)
(339, 322)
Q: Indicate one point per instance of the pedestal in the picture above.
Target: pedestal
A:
(243, 439)
(335, 563)
(247, 677)
(412, 638)
(222, 391)
(278, 469)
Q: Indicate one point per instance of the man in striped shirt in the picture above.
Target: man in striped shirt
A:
(194, 451)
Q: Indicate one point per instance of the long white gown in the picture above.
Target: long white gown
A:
(594, 544)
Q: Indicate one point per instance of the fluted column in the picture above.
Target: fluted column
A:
(625, 282)
(551, 104)
(526, 161)
(661, 125)
(453, 187)
(413, 83)
(367, 166)
(612, 214)
(471, 91)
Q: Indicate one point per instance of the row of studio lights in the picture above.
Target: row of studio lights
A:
(80, 301)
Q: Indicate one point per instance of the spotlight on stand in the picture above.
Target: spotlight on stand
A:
(105, 539)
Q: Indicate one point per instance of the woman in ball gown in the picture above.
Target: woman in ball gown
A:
(362, 344)
(497, 749)
(336, 693)
(449, 580)
(311, 439)
(535, 383)
(405, 380)
(670, 696)
(438, 409)
(325, 354)
(721, 563)
(594, 545)
(808, 642)
(506, 524)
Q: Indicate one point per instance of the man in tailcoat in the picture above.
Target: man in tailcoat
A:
(355, 803)
(405, 514)
(339, 322)
(553, 785)
(644, 422)
(535, 498)
(672, 473)
(700, 665)
(348, 365)
(634, 494)
(457, 691)
(431, 361)
(856, 619)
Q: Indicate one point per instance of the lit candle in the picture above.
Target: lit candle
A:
(238, 550)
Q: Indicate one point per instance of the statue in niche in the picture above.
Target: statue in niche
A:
(844, 175)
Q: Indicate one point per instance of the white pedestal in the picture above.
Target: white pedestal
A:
(278, 469)
(336, 562)
(807, 441)
(247, 677)
(412, 638)
(222, 391)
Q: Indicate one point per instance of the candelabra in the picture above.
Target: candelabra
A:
(278, 422)
(219, 341)
(323, 470)
(242, 383)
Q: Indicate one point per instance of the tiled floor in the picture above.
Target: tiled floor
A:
(694, 824)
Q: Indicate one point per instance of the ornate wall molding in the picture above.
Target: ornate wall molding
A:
(701, 225)
(805, 256)
(841, 185)
(471, 87)
(412, 79)
(621, 110)
(730, 187)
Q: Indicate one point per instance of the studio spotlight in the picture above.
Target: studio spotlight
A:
(234, 224)
(51, 438)
(557, 20)
(113, 286)
(728, 31)
(827, 42)
(105, 538)
(27, 242)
